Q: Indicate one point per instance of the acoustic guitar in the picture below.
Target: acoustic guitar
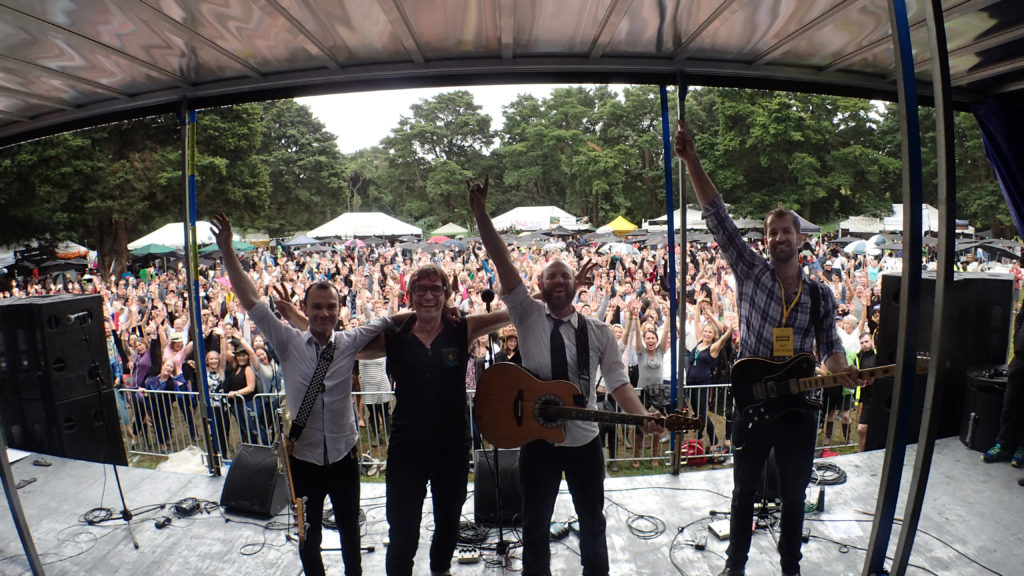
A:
(297, 505)
(766, 389)
(513, 408)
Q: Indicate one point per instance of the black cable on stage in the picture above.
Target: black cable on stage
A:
(824, 473)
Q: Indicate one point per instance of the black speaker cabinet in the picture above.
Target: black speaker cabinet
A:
(50, 343)
(55, 379)
(256, 485)
(85, 428)
(978, 333)
(485, 501)
(983, 402)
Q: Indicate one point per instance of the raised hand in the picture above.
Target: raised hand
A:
(478, 195)
(222, 231)
(684, 143)
(584, 274)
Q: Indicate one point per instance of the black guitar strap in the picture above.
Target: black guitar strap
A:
(582, 360)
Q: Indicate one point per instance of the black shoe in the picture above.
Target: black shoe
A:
(731, 572)
(1020, 482)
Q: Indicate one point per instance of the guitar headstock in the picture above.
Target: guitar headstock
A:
(678, 422)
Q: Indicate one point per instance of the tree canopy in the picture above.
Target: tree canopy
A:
(587, 149)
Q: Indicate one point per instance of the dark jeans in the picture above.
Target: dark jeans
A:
(222, 429)
(186, 403)
(699, 403)
(793, 436)
(540, 471)
(408, 471)
(1013, 406)
(340, 481)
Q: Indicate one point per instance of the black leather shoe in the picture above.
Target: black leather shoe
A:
(731, 572)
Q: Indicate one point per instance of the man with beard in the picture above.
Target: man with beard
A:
(781, 313)
(553, 337)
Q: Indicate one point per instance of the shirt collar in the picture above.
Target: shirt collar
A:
(571, 318)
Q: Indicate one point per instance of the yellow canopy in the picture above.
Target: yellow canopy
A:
(620, 226)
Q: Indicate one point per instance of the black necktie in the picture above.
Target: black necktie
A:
(559, 364)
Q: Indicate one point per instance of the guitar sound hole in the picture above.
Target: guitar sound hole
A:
(545, 410)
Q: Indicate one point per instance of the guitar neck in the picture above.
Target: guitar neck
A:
(815, 382)
(589, 415)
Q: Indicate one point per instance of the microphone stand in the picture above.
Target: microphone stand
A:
(96, 375)
(501, 548)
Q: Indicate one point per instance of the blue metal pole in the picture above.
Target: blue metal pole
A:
(903, 387)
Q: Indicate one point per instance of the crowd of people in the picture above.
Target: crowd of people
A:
(415, 330)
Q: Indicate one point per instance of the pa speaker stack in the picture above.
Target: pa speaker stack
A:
(978, 333)
(55, 380)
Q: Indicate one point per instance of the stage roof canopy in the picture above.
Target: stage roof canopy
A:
(78, 63)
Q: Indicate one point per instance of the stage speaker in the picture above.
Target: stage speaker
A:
(485, 501)
(55, 370)
(983, 403)
(85, 428)
(256, 485)
(979, 333)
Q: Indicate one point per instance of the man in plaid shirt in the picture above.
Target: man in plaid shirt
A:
(777, 320)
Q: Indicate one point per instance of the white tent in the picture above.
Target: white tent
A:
(861, 225)
(929, 219)
(694, 221)
(537, 218)
(352, 224)
(450, 229)
(173, 235)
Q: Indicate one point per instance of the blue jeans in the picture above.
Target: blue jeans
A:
(540, 472)
(793, 436)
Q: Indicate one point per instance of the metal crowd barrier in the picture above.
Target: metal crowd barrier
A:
(156, 423)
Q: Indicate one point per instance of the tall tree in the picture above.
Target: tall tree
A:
(306, 181)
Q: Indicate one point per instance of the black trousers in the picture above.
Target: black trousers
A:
(793, 436)
(340, 481)
(541, 465)
(1013, 405)
(408, 471)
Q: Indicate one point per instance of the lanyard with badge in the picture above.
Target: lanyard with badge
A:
(782, 337)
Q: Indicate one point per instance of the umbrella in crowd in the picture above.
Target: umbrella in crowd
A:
(354, 242)
(456, 245)
(374, 241)
(753, 235)
(154, 250)
(618, 248)
(438, 239)
(300, 240)
(552, 246)
(408, 238)
(238, 245)
(67, 264)
(878, 240)
(315, 248)
(861, 247)
(844, 240)
(559, 231)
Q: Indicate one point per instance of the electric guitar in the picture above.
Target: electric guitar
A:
(765, 389)
(513, 408)
(298, 505)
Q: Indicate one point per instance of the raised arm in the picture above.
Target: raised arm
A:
(702, 184)
(240, 281)
(496, 248)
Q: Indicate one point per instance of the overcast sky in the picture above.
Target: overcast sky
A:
(360, 120)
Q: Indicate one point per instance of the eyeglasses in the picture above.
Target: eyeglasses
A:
(420, 290)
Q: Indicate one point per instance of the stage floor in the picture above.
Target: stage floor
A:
(971, 524)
